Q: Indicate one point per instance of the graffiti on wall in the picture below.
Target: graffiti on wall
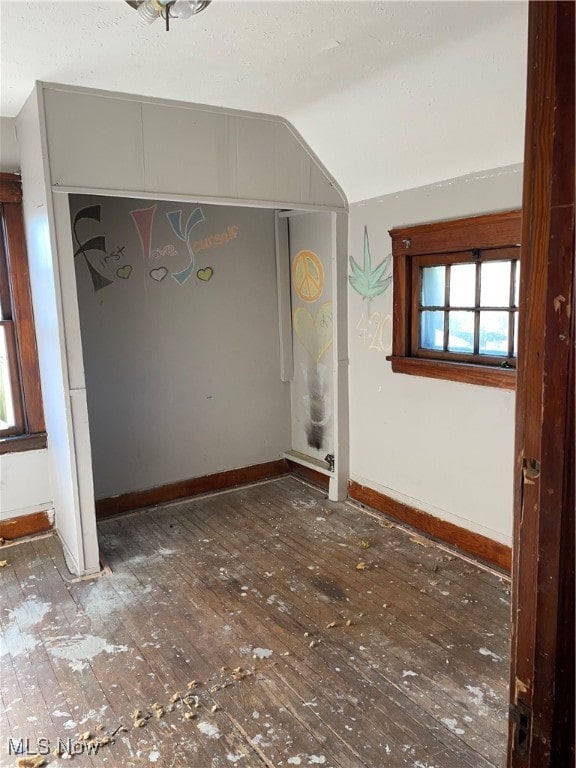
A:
(212, 241)
(143, 220)
(106, 266)
(375, 332)
(308, 276)
(313, 329)
(205, 274)
(167, 252)
(96, 244)
(183, 233)
(369, 282)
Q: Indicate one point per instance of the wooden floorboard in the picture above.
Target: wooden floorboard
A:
(414, 672)
(442, 694)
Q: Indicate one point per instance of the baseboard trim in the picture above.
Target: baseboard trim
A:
(151, 497)
(471, 543)
(310, 475)
(474, 544)
(26, 525)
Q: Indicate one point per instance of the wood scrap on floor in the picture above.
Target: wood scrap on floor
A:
(238, 628)
(35, 761)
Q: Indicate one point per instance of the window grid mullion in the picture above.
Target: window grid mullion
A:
(446, 305)
(5, 295)
(477, 308)
(511, 314)
(487, 308)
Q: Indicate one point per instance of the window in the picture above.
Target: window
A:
(21, 416)
(456, 299)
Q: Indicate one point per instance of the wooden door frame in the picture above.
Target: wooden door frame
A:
(541, 731)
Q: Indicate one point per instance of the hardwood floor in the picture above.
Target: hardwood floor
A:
(301, 656)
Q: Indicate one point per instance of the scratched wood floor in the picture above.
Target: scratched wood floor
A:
(413, 672)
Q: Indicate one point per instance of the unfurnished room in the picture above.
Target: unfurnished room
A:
(287, 383)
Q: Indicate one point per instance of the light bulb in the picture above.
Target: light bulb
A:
(182, 9)
(148, 12)
(200, 5)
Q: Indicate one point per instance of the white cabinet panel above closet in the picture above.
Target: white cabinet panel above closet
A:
(188, 151)
(94, 141)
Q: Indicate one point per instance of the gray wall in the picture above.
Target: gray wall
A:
(182, 373)
(442, 446)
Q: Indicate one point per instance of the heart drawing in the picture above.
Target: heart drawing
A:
(124, 272)
(158, 274)
(314, 331)
(205, 274)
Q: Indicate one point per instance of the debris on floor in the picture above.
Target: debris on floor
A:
(33, 761)
(172, 695)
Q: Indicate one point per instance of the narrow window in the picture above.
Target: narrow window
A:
(21, 416)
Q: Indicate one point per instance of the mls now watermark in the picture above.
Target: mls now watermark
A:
(43, 746)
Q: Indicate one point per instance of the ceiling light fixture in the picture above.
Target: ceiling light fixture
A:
(150, 10)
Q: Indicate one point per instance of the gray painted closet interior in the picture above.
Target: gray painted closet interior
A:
(70, 145)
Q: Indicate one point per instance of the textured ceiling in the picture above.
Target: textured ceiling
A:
(354, 77)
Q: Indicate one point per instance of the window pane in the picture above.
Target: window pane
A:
(433, 286)
(6, 405)
(517, 286)
(461, 332)
(432, 330)
(494, 333)
(495, 284)
(516, 335)
(463, 285)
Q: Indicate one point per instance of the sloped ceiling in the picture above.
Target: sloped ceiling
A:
(390, 95)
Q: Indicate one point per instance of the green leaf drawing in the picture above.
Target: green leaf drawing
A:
(367, 281)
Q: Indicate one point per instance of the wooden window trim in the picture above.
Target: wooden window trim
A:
(493, 230)
(484, 375)
(27, 393)
(21, 443)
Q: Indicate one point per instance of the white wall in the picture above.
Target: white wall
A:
(9, 159)
(456, 108)
(182, 380)
(312, 390)
(442, 446)
(81, 552)
(24, 484)
(24, 478)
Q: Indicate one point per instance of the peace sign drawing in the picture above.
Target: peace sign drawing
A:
(308, 276)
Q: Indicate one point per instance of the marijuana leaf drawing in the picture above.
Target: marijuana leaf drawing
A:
(367, 281)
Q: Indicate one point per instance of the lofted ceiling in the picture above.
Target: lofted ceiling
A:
(390, 95)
